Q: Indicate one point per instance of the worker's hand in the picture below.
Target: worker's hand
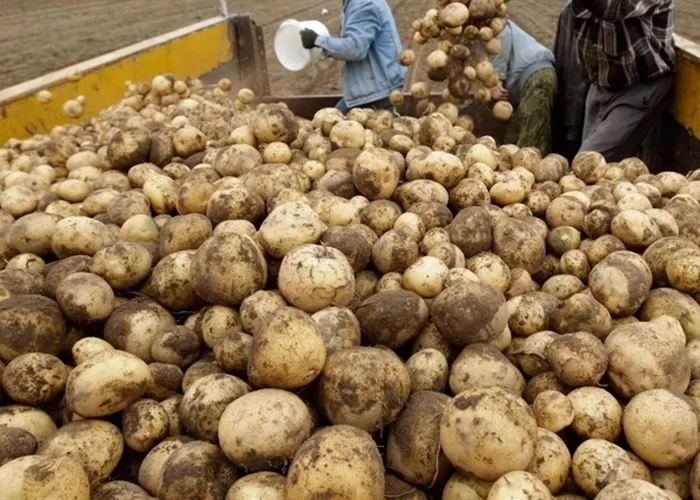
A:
(308, 38)
(499, 93)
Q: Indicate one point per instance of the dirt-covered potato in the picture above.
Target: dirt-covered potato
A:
(392, 318)
(150, 473)
(468, 313)
(658, 253)
(79, 236)
(215, 323)
(351, 243)
(648, 355)
(633, 488)
(566, 210)
(144, 424)
(119, 490)
(482, 365)
(380, 215)
(322, 269)
(380, 386)
(32, 233)
(530, 353)
(491, 270)
(470, 231)
(428, 369)
(16, 442)
(97, 445)
(466, 486)
(518, 244)
(553, 411)
(376, 174)
(670, 302)
(412, 449)
(257, 307)
(394, 252)
(635, 229)
(34, 378)
(264, 485)
(135, 325)
(183, 232)
(288, 226)
(36, 477)
(579, 359)
(582, 312)
(621, 282)
(30, 323)
(662, 428)
(170, 283)
(597, 414)
(227, 268)
(288, 352)
(264, 429)
(673, 480)
(597, 463)
(339, 328)
(338, 461)
(488, 432)
(179, 346)
(166, 381)
(531, 312)
(85, 297)
(106, 383)
(196, 470)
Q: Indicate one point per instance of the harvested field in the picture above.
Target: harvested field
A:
(40, 36)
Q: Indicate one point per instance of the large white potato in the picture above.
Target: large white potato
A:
(288, 226)
(37, 477)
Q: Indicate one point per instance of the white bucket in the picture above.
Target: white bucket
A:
(288, 48)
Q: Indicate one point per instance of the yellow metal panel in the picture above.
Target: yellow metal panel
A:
(686, 100)
(192, 54)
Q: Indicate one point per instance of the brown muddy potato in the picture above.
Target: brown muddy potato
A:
(597, 463)
(120, 490)
(34, 378)
(392, 318)
(351, 243)
(658, 253)
(205, 400)
(621, 282)
(136, 324)
(380, 385)
(20, 282)
(482, 365)
(227, 268)
(179, 346)
(97, 445)
(673, 480)
(170, 282)
(579, 359)
(394, 252)
(264, 485)
(123, 264)
(183, 232)
(339, 328)
(16, 442)
(547, 381)
(380, 215)
(597, 414)
(128, 148)
(553, 411)
(470, 231)
(488, 432)
(412, 448)
(58, 270)
(197, 370)
(575, 263)
(376, 174)
(409, 193)
(85, 297)
(602, 247)
(196, 470)
(530, 353)
(166, 381)
(235, 202)
(531, 313)
(257, 307)
(518, 244)
(470, 313)
(216, 322)
(106, 383)
(430, 338)
(127, 205)
(144, 424)
(428, 370)
(150, 474)
(30, 323)
(37, 477)
(521, 282)
(432, 213)
(647, 355)
(264, 429)
(233, 352)
(662, 428)
(563, 286)
(581, 312)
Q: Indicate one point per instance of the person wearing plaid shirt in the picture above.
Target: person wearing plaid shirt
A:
(626, 50)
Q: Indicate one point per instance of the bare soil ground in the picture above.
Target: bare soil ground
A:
(39, 36)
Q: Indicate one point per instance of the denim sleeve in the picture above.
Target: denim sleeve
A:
(362, 26)
(500, 60)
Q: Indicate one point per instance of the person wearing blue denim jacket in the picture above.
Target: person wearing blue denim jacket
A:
(369, 43)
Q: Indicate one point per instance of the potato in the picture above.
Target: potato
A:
(215, 323)
(32, 233)
(670, 302)
(15, 443)
(145, 423)
(621, 282)
(288, 353)
(183, 232)
(351, 243)
(170, 282)
(563, 286)
(380, 386)
(79, 236)
(36, 477)
(249, 432)
(681, 270)
(470, 313)
(635, 229)
(648, 355)
(340, 461)
(37, 422)
(531, 312)
(428, 370)
(597, 463)
(257, 307)
(632, 488)
(602, 247)
(578, 359)
(470, 230)
(135, 325)
(553, 411)
(380, 215)
(566, 210)
(518, 244)
(392, 318)
(662, 428)
(197, 470)
(264, 485)
(275, 123)
(88, 346)
(497, 424)
(332, 279)
(491, 270)
(597, 414)
(376, 174)
(519, 484)
(227, 268)
(34, 378)
(481, 365)
(106, 383)
(85, 297)
(394, 252)
(581, 312)
(466, 487)
(166, 381)
(119, 490)
(673, 480)
(97, 445)
(659, 252)
(530, 353)
(140, 228)
(30, 323)
(150, 474)
(193, 196)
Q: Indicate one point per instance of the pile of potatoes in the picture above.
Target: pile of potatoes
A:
(353, 307)
(466, 33)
